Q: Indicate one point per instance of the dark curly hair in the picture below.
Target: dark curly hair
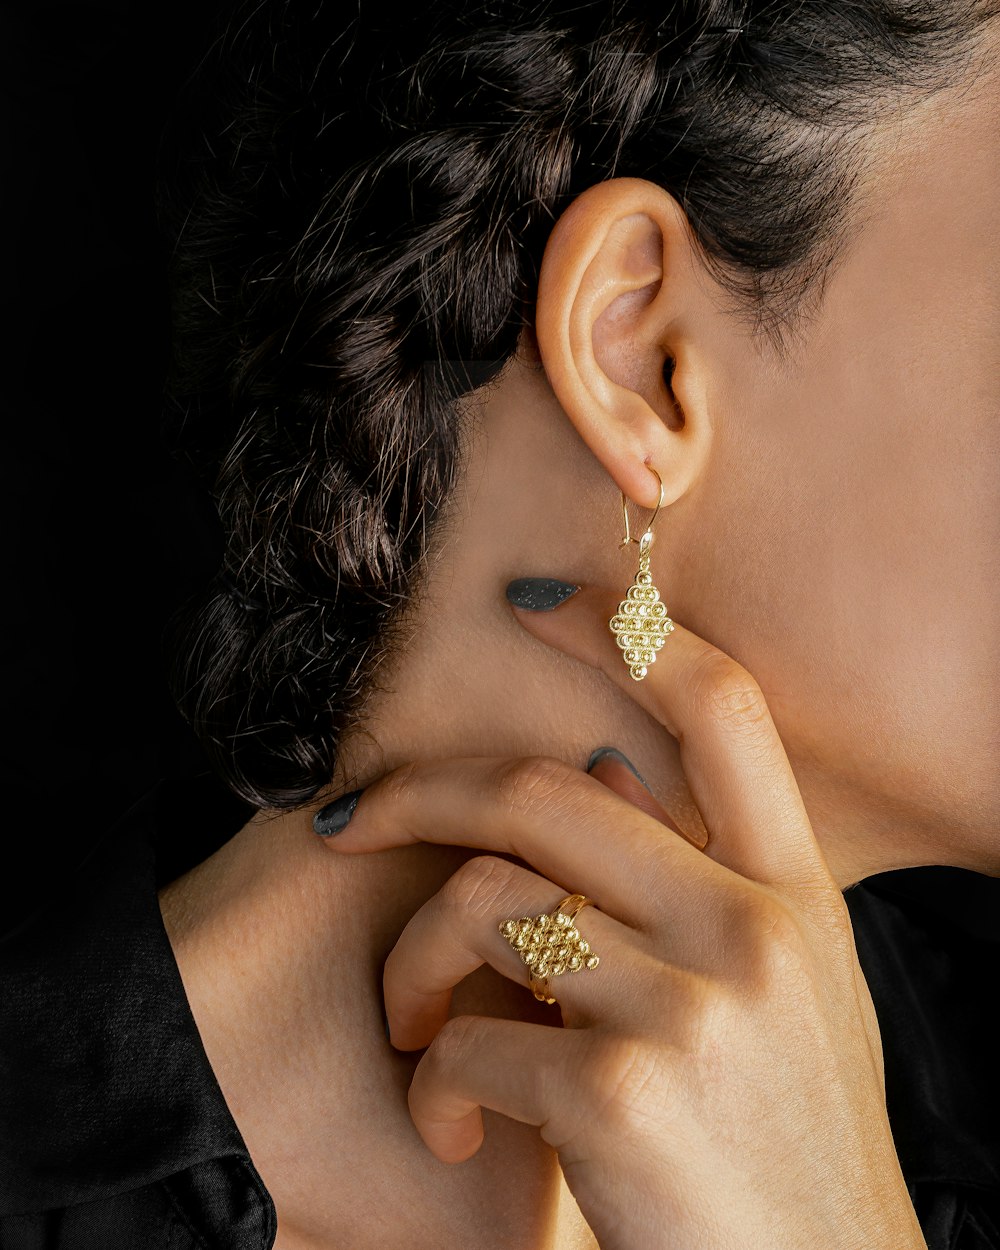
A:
(356, 200)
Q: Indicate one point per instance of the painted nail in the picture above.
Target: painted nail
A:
(539, 594)
(386, 1019)
(603, 753)
(334, 817)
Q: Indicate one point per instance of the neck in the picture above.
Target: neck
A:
(473, 683)
(532, 700)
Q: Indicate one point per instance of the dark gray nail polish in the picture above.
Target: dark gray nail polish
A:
(539, 594)
(334, 817)
(600, 754)
(386, 1019)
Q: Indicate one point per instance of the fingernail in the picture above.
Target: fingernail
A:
(334, 817)
(603, 752)
(539, 594)
(386, 1019)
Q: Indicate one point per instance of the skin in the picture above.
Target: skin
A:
(829, 524)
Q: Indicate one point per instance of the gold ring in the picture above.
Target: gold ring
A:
(550, 944)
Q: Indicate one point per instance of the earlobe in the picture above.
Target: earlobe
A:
(616, 306)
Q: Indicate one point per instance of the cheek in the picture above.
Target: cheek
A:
(845, 551)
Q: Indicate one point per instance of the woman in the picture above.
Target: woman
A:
(464, 299)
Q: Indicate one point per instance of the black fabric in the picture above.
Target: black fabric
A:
(931, 974)
(114, 1133)
(216, 1203)
(931, 983)
(112, 1124)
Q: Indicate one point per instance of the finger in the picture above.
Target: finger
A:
(613, 773)
(458, 930)
(518, 1069)
(566, 825)
(734, 760)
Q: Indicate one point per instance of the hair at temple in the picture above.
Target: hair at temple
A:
(357, 202)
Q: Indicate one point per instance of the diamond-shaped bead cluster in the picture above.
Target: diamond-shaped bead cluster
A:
(641, 624)
(549, 944)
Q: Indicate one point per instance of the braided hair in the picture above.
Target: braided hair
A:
(356, 201)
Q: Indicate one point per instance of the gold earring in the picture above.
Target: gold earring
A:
(641, 624)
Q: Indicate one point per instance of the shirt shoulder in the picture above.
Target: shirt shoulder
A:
(219, 1205)
(111, 1110)
(929, 964)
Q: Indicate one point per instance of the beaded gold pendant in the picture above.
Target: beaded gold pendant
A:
(641, 624)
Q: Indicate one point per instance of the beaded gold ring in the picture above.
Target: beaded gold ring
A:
(550, 944)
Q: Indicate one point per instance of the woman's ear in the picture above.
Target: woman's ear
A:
(621, 304)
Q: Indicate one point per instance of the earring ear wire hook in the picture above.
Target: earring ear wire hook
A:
(628, 538)
(641, 625)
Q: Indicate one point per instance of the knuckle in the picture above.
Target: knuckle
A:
(533, 782)
(478, 884)
(724, 691)
(623, 1082)
(398, 786)
(774, 946)
(455, 1039)
(698, 1008)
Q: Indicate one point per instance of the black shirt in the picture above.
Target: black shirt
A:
(114, 1133)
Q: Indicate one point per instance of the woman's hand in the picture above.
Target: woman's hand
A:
(718, 1082)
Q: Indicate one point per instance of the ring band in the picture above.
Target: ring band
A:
(550, 944)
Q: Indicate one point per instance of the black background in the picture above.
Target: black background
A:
(104, 533)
